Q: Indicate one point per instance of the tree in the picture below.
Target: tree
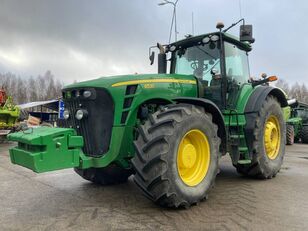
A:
(281, 83)
(31, 89)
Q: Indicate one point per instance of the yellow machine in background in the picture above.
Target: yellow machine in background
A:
(9, 113)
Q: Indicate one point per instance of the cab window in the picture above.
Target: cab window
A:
(237, 67)
(198, 61)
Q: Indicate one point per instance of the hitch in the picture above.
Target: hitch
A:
(45, 149)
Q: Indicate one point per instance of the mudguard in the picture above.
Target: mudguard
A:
(254, 104)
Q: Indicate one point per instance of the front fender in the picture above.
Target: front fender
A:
(211, 108)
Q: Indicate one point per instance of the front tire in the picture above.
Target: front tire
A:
(177, 153)
(269, 142)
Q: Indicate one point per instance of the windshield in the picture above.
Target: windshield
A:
(303, 114)
(198, 61)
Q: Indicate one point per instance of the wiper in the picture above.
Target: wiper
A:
(206, 53)
(216, 62)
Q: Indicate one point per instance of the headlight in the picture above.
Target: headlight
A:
(215, 38)
(173, 48)
(87, 94)
(205, 40)
(81, 113)
(66, 114)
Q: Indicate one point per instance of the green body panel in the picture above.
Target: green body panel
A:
(121, 147)
(145, 91)
(44, 149)
(235, 122)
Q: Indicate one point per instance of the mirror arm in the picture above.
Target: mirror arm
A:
(234, 24)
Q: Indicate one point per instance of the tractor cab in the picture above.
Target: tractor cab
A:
(218, 60)
(220, 66)
(302, 113)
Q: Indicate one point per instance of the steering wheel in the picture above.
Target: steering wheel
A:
(194, 65)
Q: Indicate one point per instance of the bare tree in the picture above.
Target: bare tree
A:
(21, 91)
(31, 89)
(281, 83)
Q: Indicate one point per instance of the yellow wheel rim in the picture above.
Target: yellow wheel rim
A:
(193, 159)
(272, 137)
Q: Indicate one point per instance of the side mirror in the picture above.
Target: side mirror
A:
(246, 34)
(152, 57)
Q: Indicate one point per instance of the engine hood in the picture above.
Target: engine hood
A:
(121, 80)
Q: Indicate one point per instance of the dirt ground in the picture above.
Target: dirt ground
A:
(61, 200)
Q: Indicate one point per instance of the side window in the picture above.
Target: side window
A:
(237, 67)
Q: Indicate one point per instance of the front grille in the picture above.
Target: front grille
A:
(97, 126)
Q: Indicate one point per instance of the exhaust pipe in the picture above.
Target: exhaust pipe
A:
(162, 60)
(292, 101)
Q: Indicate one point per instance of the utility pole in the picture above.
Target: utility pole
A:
(165, 2)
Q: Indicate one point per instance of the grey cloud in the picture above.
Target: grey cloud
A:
(85, 39)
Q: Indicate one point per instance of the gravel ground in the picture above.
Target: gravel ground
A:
(61, 200)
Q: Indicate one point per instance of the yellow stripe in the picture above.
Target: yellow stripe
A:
(132, 82)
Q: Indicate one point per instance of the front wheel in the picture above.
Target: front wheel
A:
(177, 153)
(269, 142)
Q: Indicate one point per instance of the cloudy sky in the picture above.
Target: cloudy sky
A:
(83, 39)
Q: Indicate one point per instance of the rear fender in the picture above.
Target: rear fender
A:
(253, 106)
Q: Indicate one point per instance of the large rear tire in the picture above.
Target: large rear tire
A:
(269, 142)
(290, 135)
(112, 174)
(304, 134)
(177, 154)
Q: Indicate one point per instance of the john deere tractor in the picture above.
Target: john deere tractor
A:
(297, 124)
(168, 129)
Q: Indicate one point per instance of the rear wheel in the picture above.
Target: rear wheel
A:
(304, 134)
(269, 142)
(290, 135)
(177, 153)
(112, 174)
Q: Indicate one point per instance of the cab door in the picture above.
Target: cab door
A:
(237, 72)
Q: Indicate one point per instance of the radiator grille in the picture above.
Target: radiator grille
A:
(96, 128)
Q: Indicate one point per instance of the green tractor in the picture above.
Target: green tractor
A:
(168, 129)
(297, 124)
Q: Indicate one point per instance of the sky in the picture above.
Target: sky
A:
(85, 39)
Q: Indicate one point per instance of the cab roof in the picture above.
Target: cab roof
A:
(192, 40)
